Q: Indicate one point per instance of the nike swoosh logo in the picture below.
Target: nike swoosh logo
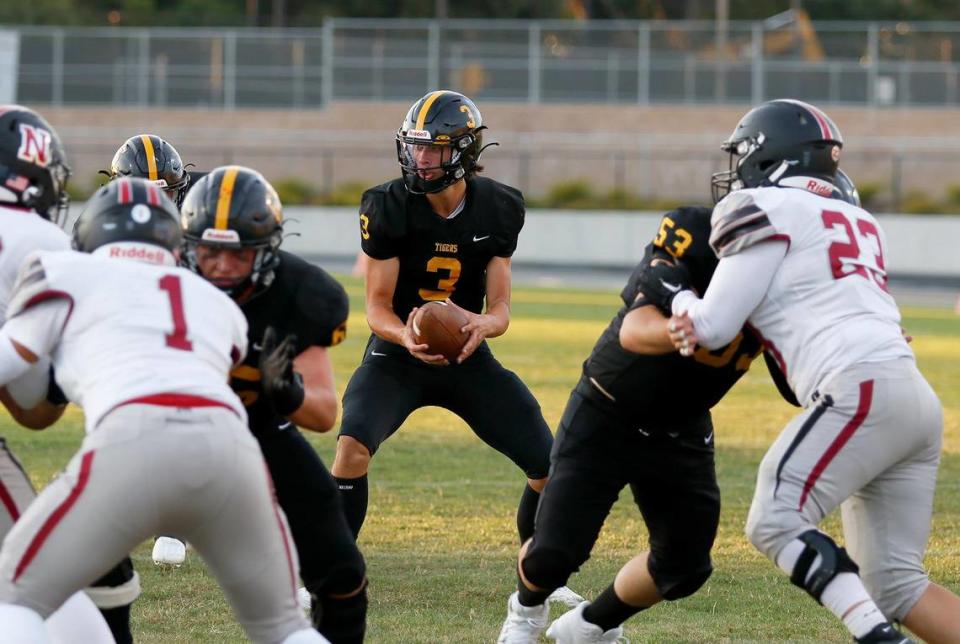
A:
(257, 347)
(285, 425)
(376, 353)
(709, 437)
(673, 288)
(476, 239)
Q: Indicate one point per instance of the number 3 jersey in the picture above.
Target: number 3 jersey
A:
(440, 258)
(119, 329)
(827, 306)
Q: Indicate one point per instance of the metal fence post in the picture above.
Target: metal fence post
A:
(326, 77)
(757, 90)
(533, 52)
(143, 76)
(230, 70)
(56, 74)
(643, 63)
(433, 55)
(873, 62)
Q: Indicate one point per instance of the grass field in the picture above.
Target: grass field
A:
(440, 538)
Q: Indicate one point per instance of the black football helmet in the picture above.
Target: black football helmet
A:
(778, 139)
(129, 209)
(149, 157)
(445, 120)
(33, 164)
(848, 189)
(234, 207)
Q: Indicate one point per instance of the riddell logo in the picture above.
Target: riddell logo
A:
(819, 188)
(213, 234)
(144, 253)
(34, 145)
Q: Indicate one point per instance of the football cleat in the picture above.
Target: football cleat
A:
(169, 551)
(524, 624)
(563, 595)
(304, 598)
(884, 634)
(572, 628)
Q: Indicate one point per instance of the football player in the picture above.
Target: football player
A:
(807, 272)
(149, 157)
(628, 423)
(233, 228)
(130, 338)
(33, 195)
(439, 233)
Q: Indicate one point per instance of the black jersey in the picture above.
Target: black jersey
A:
(663, 392)
(440, 258)
(304, 300)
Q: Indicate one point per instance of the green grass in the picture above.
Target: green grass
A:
(440, 539)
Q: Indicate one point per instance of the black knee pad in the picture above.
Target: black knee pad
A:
(833, 561)
(342, 620)
(679, 579)
(343, 578)
(547, 567)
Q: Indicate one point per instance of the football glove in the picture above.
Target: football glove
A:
(660, 282)
(279, 382)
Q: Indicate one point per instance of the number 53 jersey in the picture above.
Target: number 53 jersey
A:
(827, 306)
(127, 329)
(440, 258)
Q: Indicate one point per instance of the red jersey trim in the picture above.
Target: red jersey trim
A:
(863, 408)
(7, 500)
(176, 400)
(57, 516)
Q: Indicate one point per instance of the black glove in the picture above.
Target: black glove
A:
(661, 281)
(280, 383)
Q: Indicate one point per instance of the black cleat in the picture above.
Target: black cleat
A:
(884, 633)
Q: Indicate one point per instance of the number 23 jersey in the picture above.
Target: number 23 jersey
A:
(827, 306)
(440, 258)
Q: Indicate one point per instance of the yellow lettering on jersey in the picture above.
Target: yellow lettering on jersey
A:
(707, 357)
(339, 334)
(247, 374)
(681, 242)
(444, 248)
(445, 286)
(665, 225)
(364, 226)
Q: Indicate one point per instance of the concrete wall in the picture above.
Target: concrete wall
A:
(920, 246)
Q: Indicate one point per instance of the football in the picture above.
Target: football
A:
(438, 324)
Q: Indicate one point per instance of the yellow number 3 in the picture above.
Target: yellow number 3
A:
(364, 226)
(470, 122)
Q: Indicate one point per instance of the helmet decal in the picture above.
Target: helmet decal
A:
(225, 197)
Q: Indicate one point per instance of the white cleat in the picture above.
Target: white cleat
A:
(303, 597)
(524, 624)
(168, 551)
(563, 595)
(571, 628)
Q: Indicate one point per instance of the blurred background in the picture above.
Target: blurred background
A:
(597, 104)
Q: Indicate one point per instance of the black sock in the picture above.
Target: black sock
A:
(527, 512)
(118, 619)
(609, 611)
(355, 496)
(343, 620)
(528, 597)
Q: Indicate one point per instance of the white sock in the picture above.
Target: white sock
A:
(845, 596)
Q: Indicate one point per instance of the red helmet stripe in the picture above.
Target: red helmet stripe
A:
(828, 132)
(125, 194)
(153, 195)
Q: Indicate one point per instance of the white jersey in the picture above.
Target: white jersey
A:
(122, 330)
(21, 233)
(827, 306)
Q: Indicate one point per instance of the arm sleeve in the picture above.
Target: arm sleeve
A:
(378, 235)
(36, 328)
(737, 287)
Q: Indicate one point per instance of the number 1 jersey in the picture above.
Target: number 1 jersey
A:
(134, 329)
(828, 306)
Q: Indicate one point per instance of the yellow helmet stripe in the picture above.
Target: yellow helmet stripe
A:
(427, 104)
(151, 156)
(226, 195)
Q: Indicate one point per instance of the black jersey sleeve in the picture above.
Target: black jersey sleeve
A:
(510, 211)
(382, 222)
(324, 308)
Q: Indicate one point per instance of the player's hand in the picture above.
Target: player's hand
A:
(480, 326)
(419, 351)
(662, 280)
(682, 334)
(279, 382)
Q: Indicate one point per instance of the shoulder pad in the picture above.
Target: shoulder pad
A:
(383, 220)
(324, 305)
(738, 222)
(30, 287)
(505, 206)
(684, 232)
